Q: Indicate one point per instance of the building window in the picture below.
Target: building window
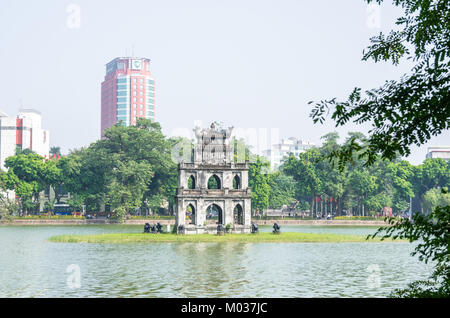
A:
(134, 80)
(134, 99)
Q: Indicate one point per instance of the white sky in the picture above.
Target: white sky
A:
(249, 64)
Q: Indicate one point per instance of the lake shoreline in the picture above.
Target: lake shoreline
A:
(50, 222)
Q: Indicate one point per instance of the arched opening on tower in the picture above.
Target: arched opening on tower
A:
(236, 182)
(190, 214)
(214, 182)
(238, 214)
(214, 212)
(191, 182)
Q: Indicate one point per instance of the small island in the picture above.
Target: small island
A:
(262, 237)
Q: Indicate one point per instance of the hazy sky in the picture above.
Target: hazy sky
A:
(250, 64)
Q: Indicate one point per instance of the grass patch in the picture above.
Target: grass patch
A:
(262, 237)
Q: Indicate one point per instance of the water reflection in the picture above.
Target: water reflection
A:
(215, 269)
(33, 267)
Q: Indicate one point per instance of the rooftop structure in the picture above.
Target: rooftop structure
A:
(280, 152)
(24, 132)
(442, 152)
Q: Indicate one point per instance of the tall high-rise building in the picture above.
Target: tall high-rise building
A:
(24, 132)
(128, 92)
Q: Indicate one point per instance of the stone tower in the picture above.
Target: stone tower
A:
(213, 189)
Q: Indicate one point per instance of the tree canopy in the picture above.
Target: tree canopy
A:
(408, 111)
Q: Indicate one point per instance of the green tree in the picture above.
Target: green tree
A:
(406, 111)
(434, 198)
(282, 190)
(362, 184)
(333, 180)
(128, 185)
(8, 207)
(400, 174)
(53, 177)
(55, 151)
(305, 173)
(76, 202)
(26, 151)
(24, 176)
(130, 167)
(259, 184)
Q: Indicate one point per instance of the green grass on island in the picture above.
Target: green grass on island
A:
(262, 237)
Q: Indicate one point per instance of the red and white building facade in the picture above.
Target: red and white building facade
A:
(128, 92)
(23, 131)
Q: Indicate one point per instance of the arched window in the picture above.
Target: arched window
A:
(236, 182)
(238, 214)
(190, 214)
(191, 182)
(214, 182)
(214, 212)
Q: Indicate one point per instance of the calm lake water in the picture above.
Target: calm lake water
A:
(32, 267)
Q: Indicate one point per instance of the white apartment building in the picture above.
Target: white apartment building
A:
(280, 152)
(24, 131)
(442, 152)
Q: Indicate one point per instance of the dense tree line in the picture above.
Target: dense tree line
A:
(323, 186)
(131, 169)
(364, 190)
(402, 113)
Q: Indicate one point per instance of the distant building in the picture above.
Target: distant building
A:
(442, 152)
(23, 131)
(280, 152)
(128, 92)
